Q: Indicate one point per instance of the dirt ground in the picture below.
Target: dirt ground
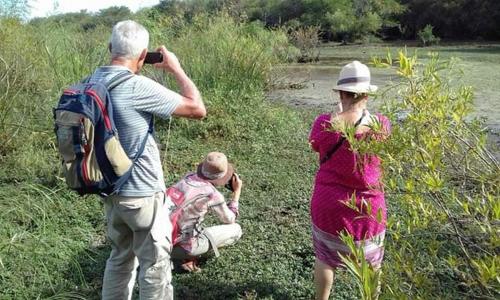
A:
(309, 86)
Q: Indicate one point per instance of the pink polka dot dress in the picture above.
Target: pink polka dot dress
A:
(339, 179)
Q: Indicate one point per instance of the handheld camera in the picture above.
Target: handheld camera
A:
(153, 58)
(229, 184)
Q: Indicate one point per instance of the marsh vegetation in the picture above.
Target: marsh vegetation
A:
(441, 178)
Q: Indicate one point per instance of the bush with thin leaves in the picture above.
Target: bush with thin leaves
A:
(443, 190)
(427, 37)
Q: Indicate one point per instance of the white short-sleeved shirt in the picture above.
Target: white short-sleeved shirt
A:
(135, 101)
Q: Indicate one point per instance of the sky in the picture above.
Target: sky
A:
(44, 8)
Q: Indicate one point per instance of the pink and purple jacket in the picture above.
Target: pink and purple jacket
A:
(202, 197)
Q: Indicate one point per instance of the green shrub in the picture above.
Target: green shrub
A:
(442, 187)
(427, 37)
(306, 39)
(447, 185)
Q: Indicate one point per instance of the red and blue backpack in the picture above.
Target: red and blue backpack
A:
(93, 160)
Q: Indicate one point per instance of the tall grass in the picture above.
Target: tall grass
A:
(52, 242)
(45, 234)
(16, 78)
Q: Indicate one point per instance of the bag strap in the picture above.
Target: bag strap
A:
(144, 141)
(86, 79)
(126, 176)
(212, 242)
(118, 79)
(341, 141)
(109, 85)
(113, 82)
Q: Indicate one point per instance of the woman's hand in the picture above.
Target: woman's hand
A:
(237, 183)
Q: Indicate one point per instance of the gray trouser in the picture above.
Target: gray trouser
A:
(222, 235)
(138, 229)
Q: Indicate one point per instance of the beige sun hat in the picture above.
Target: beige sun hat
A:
(215, 169)
(355, 77)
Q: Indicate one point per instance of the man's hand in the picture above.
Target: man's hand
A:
(170, 62)
(191, 105)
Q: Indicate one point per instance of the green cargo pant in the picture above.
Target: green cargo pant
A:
(138, 229)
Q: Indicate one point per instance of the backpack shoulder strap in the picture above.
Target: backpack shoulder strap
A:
(118, 79)
(144, 141)
(114, 82)
(86, 79)
(341, 141)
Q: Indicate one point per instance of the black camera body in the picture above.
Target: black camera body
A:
(229, 184)
(153, 58)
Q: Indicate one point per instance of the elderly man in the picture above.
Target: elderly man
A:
(137, 223)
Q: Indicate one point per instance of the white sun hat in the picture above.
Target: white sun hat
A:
(355, 77)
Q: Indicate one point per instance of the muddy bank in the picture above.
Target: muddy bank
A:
(477, 66)
(309, 86)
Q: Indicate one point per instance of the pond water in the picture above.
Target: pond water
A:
(310, 85)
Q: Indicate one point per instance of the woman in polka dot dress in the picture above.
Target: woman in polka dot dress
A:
(341, 177)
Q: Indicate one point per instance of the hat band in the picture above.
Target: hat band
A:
(211, 175)
(353, 80)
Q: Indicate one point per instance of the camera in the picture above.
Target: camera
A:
(229, 184)
(153, 58)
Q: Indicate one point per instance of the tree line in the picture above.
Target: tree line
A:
(351, 20)
(336, 20)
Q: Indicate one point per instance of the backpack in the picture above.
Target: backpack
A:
(179, 202)
(93, 160)
(177, 197)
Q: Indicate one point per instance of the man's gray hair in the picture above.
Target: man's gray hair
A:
(128, 39)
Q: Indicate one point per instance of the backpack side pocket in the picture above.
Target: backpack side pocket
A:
(117, 157)
(75, 136)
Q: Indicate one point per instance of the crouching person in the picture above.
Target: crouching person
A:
(192, 197)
